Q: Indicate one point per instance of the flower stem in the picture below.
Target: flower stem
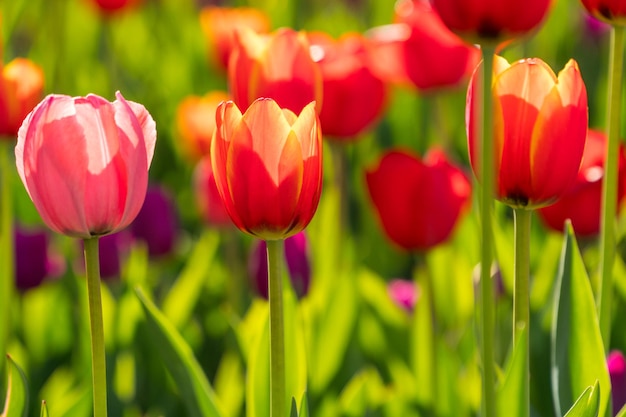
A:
(278, 397)
(7, 259)
(486, 207)
(521, 301)
(609, 188)
(98, 358)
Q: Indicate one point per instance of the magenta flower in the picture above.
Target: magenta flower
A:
(404, 293)
(617, 371)
(156, 224)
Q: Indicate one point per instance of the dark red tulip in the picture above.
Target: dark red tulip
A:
(612, 11)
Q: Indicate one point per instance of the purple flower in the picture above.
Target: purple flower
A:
(156, 223)
(31, 258)
(404, 293)
(296, 254)
(111, 249)
(617, 371)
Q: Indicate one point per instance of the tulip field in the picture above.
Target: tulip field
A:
(283, 208)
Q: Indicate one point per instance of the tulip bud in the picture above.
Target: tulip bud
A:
(156, 223)
(267, 164)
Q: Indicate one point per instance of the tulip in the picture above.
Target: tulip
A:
(403, 293)
(612, 11)
(418, 202)
(208, 198)
(491, 19)
(220, 24)
(84, 162)
(617, 371)
(195, 118)
(420, 50)
(156, 223)
(21, 88)
(582, 200)
(32, 264)
(354, 96)
(297, 256)
(268, 167)
(113, 6)
(278, 66)
(540, 125)
(111, 253)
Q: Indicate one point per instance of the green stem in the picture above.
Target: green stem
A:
(7, 260)
(98, 358)
(278, 397)
(486, 206)
(609, 189)
(521, 294)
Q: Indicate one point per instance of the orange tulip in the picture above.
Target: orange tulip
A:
(84, 162)
(268, 167)
(491, 19)
(21, 88)
(354, 97)
(278, 66)
(220, 24)
(420, 50)
(612, 11)
(195, 118)
(540, 125)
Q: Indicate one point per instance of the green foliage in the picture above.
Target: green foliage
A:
(16, 402)
(577, 354)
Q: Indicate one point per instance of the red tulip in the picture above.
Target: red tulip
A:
(354, 96)
(195, 118)
(419, 49)
(491, 19)
(278, 66)
(581, 202)
(220, 24)
(84, 162)
(21, 88)
(208, 198)
(112, 6)
(418, 201)
(540, 125)
(613, 11)
(268, 167)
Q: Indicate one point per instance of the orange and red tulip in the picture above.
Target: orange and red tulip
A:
(540, 126)
(267, 164)
(208, 199)
(278, 66)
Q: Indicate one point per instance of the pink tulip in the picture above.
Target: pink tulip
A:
(84, 162)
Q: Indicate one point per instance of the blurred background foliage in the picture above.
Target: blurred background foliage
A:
(363, 354)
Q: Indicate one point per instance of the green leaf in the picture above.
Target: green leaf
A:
(294, 408)
(191, 280)
(44, 409)
(622, 412)
(587, 404)
(258, 378)
(304, 406)
(510, 393)
(577, 353)
(16, 404)
(193, 386)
